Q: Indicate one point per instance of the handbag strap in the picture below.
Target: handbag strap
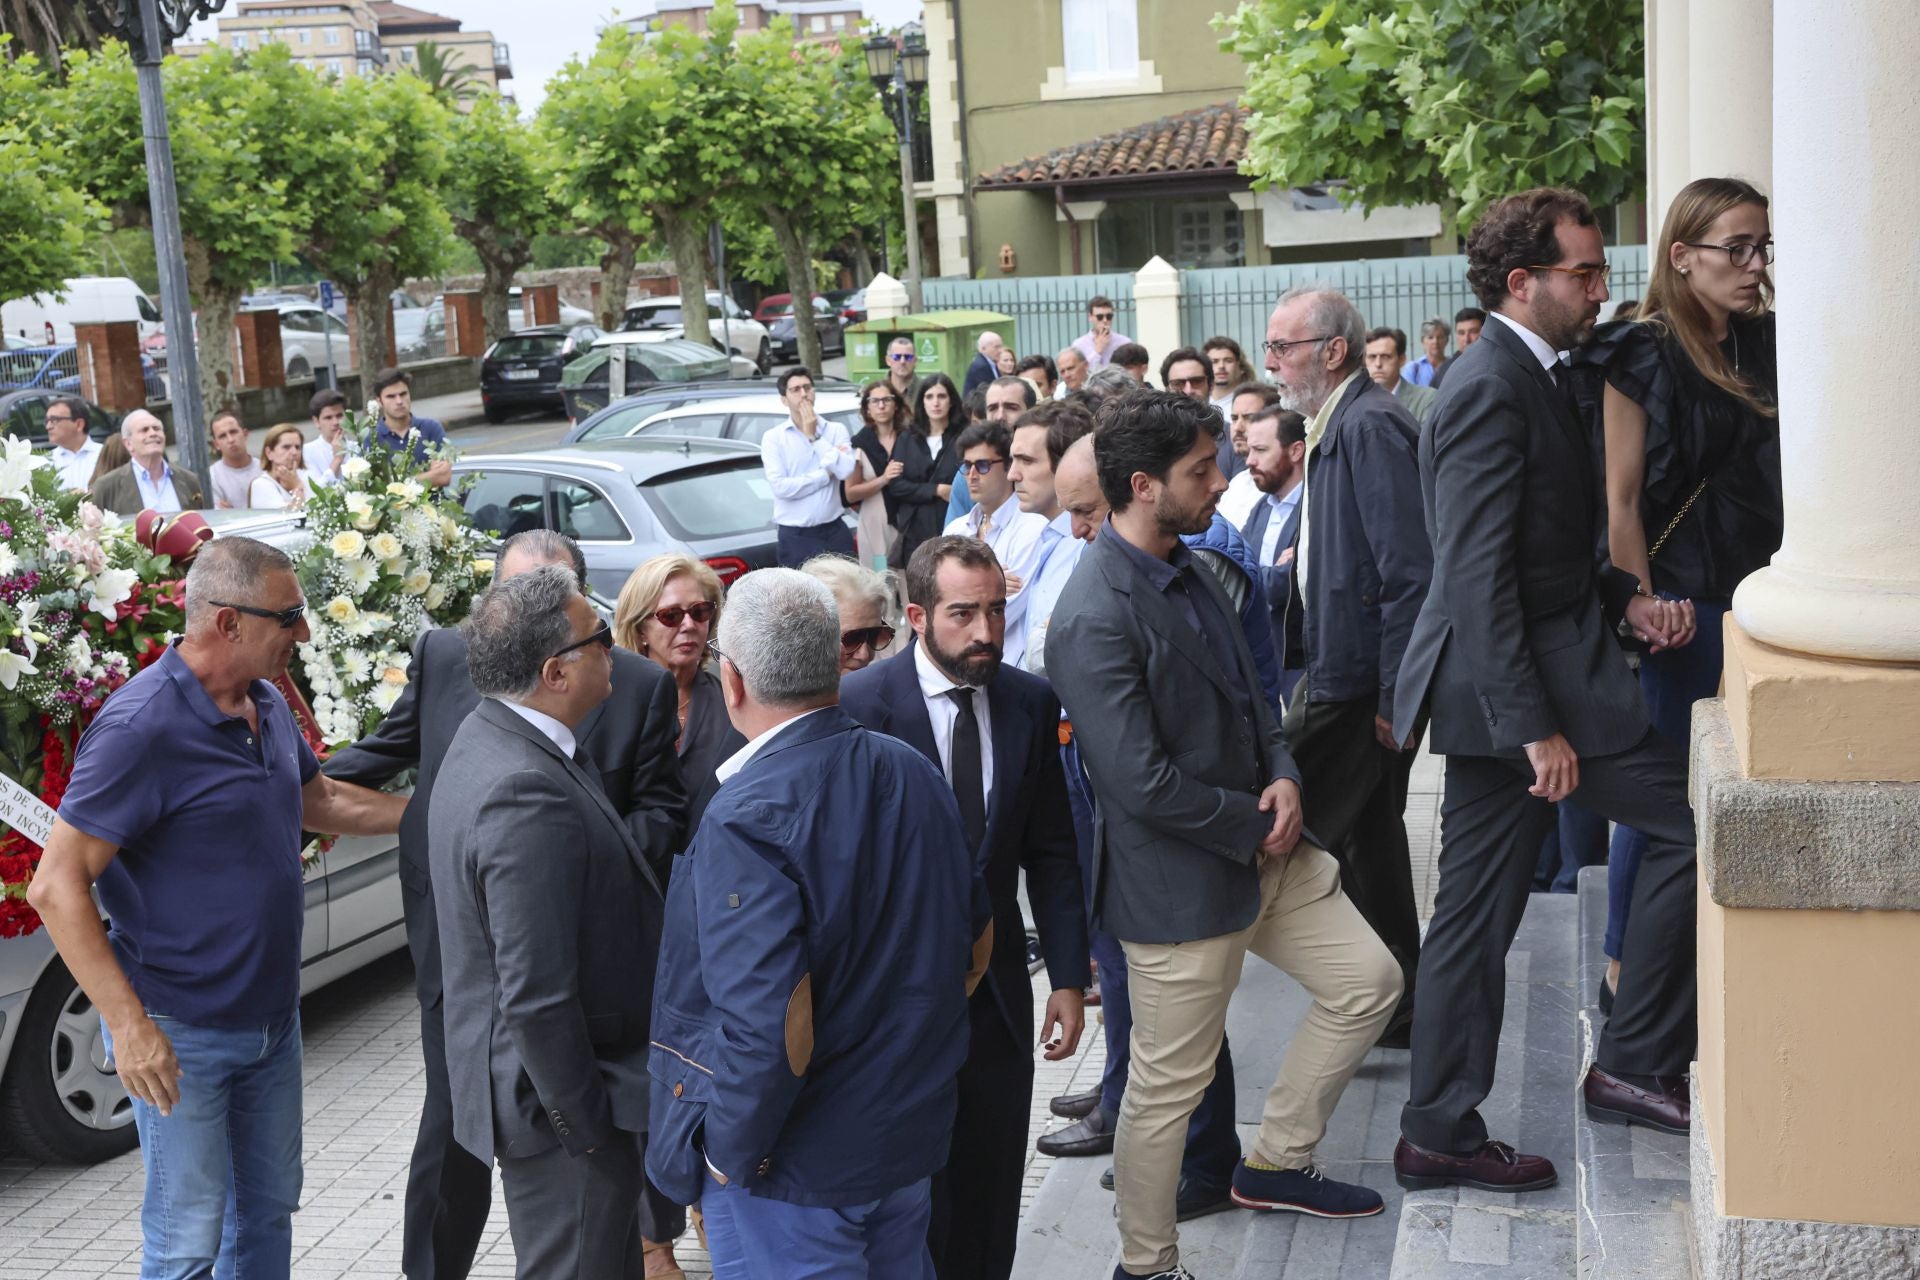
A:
(1678, 516)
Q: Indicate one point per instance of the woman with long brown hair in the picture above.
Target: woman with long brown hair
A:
(903, 468)
(1692, 447)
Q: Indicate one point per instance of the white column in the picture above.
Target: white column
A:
(1846, 581)
(1156, 302)
(1669, 131)
(1729, 57)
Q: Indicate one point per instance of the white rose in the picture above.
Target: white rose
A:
(417, 582)
(354, 468)
(405, 491)
(346, 544)
(435, 597)
(341, 610)
(385, 547)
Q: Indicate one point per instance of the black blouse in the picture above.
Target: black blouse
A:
(706, 741)
(912, 505)
(1695, 432)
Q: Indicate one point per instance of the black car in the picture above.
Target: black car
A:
(24, 414)
(522, 370)
(617, 419)
(783, 331)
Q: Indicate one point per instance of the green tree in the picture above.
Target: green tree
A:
(450, 83)
(50, 220)
(1454, 102)
(48, 28)
(498, 193)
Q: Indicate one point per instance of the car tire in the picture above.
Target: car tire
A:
(299, 368)
(761, 361)
(59, 1105)
(495, 414)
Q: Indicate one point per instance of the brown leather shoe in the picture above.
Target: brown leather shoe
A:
(1494, 1167)
(1611, 1100)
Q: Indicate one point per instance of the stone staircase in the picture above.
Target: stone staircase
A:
(1618, 1213)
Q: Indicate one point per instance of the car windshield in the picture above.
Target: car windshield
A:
(652, 318)
(714, 502)
(529, 346)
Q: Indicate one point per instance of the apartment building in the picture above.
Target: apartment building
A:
(361, 37)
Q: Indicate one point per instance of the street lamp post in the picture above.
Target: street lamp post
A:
(896, 73)
(148, 26)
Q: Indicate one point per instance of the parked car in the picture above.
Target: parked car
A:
(783, 332)
(625, 501)
(420, 331)
(24, 414)
(60, 1100)
(728, 321)
(850, 303)
(523, 369)
(614, 420)
(644, 359)
(304, 335)
(746, 418)
(58, 367)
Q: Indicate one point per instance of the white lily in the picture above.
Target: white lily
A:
(28, 611)
(110, 588)
(18, 462)
(12, 667)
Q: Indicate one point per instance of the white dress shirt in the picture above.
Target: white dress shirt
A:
(1014, 534)
(157, 495)
(318, 455)
(1241, 497)
(934, 685)
(806, 474)
(739, 759)
(76, 465)
(1060, 552)
(1282, 504)
(556, 733)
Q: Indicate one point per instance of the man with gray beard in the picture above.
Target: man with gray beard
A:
(1362, 565)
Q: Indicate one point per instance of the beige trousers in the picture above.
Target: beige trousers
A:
(1310, 930)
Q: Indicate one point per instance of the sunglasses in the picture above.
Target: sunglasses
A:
(671, 616)
(875, 638)
(288, 618)
(901, 357)
(983, 466)
(1182, 384)
(603, 637)
(1103, 315)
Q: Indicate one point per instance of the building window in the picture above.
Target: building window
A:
(406, 56)
(333, 66)
(1102, 38)
(817, 23)
(1201, 232)
(333, 35)
(305, 36)
(839, 22)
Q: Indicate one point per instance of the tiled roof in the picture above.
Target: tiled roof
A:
(1207, 140)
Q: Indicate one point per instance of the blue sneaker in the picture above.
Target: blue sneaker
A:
(1302, 1191)
(1178, 1273)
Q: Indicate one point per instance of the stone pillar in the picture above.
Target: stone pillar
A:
(1729, 53)
(262, 362)
(886, 298)
(1156, 302)
(109, 358)
(542, 303)
(466, 328)
(1806, 1134)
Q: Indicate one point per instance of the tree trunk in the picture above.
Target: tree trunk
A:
(216, 306)
(371, 300)
(497, 267)
(862, 260)
(616, 275)
(687, 238)
(798, 256)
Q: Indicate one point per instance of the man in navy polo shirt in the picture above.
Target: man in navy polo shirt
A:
(394, 389)
(189, 793)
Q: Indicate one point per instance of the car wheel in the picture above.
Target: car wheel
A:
(495, 414)
(62, 1102)
(761, 361)
(299, 368)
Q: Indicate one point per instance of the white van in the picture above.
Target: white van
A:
(49, 318)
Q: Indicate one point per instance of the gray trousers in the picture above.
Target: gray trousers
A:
(1490, 834)
(576, 1216)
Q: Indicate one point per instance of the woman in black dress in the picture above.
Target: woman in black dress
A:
(1688, 392)
(903, 468)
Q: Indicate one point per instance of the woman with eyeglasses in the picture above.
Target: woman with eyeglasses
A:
(866, 602)
(903, 471)
(667, 611)
(1688, 394)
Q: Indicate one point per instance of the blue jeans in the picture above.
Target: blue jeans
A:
(1672, 682)
(1578, 839)
(223, 1170)
(753, 1237)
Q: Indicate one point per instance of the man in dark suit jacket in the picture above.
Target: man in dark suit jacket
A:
(1277, 460)
(1362, 565)
(549, 930)
(973, 716)
(1198, 856)
(630, 737)
(120, 491)
(1531, 700)
(986, 364)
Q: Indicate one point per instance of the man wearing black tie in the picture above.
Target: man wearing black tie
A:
(994, 731)
(1532, 702)
(1276, 459)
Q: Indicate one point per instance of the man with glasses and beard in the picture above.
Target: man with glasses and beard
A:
(994, 731)
(1200, 857)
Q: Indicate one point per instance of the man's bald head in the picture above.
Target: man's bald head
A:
(990, 345)
(1076, 487)
(146, 438)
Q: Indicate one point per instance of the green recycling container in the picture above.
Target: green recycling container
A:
(945, 341)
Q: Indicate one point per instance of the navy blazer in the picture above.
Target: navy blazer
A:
(810, 1011)
(981, 372)
(1283, 591)
(1029, 823)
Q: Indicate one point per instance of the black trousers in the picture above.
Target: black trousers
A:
(1490, 834)
(976, 1198)
(577, 1217)
(795, 544)
(1354, 800)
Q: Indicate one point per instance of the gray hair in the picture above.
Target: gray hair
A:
(781, 632)
(547, 547)
(515, 626)
(986, 340)
(229, 569)
(851, 580)
(137, 417)
(1111, 380)
(1436, 328)
(1331, 314)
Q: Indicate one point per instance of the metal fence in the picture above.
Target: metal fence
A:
(1399, 293)
(1051, 311)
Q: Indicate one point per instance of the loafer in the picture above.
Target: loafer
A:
(1178, 1273)
(1071, 1106)
(1090, 1135)
(1302, 1191)
(1611, 1100)
(1494, 1167)
(1193, 1200)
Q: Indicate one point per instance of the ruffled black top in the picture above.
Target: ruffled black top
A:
(1695, 432)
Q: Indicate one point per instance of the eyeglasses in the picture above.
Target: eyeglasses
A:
(602, 636)
(876, 638)
(674, 614)
(288, 618)
(901, 357)
(1585, 275)
(1182, 384)
(54, 421)
(983, 466)
(714, 649)
(883, 399)
(1739, 254)
(1280, 348)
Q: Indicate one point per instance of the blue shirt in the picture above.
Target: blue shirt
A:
(206, 898)
(430, 433)
(1060, 552)
(157, 495)
(1419, 372)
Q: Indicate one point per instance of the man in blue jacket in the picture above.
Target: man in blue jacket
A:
(825, 931)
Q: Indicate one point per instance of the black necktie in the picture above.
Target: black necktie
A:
(968, 787)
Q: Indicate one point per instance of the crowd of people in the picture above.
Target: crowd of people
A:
(714, 908)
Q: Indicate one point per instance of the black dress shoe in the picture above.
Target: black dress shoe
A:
(1195, 1201)
(1106, 1179)
(1494, 1167)
(1090, 1135)
(1071, 1106)
(1610, 1100)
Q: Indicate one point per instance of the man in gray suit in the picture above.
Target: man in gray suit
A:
(549, 932)
(1533, 702)
(1197, 850)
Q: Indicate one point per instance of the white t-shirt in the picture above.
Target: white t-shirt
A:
(265, 494)
(230, 484)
